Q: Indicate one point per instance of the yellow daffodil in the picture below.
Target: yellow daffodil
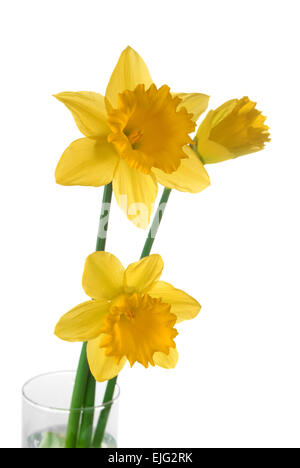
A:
(233, 129)
(136, 136)
(131, 317)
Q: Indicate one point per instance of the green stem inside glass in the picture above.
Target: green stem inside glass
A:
(86, 426)
(79, 390)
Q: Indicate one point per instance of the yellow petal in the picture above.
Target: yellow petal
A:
(135, 193)
(130, 71)
(103, 276)
(212, 118)
(88, 110)
(191, 175)
(141, 275)
(87, 162)
(195, 103)
(82, 323)
(205, 127)
(211, 152)
(167, 361)
(102, 367)
(183, 306)
(221, 112)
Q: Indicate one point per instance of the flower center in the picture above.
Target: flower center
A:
(138, 326)
(135, 137)
(148, 130)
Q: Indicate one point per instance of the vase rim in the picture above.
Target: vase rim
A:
(65, 410)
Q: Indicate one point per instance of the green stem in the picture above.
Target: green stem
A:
(103, 418)
(104, 216)
(77, 399)
(84, 382)
(156, 222)
(86, 428)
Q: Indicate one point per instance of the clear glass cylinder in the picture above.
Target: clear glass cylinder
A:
(46, 409)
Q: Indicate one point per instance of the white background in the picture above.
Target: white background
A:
(235, 246)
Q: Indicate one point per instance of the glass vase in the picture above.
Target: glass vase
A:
(46, 409)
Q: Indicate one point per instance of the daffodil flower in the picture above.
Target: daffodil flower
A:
(233, 129)
(136, 136)
(131, 316)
